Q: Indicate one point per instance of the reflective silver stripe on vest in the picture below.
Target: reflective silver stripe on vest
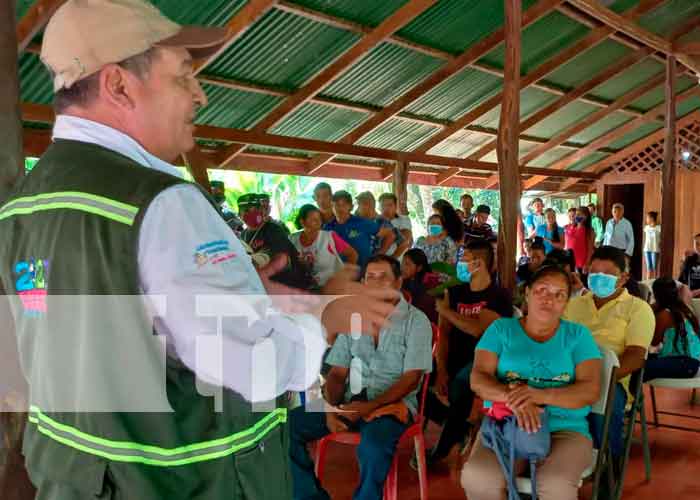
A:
(71, 200)
(124, 451)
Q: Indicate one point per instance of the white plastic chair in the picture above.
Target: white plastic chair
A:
(679, 384)
(600, 462)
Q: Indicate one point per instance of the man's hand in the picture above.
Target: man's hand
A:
(441, 384)
(356, 410)
(334, 423)
(443, 304)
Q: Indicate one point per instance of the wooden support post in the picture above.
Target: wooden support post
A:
(196, 164)
(507, 147)
(11, 155)
(400, 185)
(14, 481)
(668, 181)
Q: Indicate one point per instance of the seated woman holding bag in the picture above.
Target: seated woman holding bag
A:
(535, 367)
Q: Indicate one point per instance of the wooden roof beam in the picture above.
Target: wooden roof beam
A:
(605, 75)
(237, 26)
(34, 21)
(471, 55)
(595, 37)
(390, 25)
(633, 30)
(605, 139)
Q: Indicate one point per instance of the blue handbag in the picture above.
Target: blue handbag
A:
(510, 443)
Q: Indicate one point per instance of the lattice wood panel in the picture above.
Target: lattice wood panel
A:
(651, 158)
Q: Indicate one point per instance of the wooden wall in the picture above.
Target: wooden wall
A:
(687, 203)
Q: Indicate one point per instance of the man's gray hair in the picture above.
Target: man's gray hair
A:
(84, 91)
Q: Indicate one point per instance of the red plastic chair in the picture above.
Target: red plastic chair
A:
(414, 432)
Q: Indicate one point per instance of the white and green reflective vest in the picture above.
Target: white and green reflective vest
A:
(68, 259)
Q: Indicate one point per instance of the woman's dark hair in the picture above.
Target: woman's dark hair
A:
(418, 257)
(556, 237)
(304, 212)
(451, 221)
(437, 216)
(612, 254)
(653, 215)
(667, 297)
(560, 257)
(550, 270)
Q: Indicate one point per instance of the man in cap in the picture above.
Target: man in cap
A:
(96, 235)
(218, 192)
(479, 228)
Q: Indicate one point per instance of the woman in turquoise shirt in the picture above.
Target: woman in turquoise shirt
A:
(676, 332)
(538, 364)
(550, 232)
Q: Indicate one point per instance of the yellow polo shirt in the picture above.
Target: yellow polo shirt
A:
(623, 322)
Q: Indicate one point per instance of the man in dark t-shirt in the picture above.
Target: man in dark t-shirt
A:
(268, 240)
(465, 312)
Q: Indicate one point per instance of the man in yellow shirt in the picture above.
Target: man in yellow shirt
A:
(618, 321)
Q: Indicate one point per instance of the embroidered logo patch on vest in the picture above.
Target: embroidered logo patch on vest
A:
(213, 252)
(31, 285)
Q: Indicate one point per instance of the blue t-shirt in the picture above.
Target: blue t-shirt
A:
(543, 364)
(532, 222)
(544, 232)
(359, 233)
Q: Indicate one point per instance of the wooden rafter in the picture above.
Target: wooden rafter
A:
(602, 77)
(605, 139)
(390, 25)
(238, 25)
(595, 37)
(475, 52)
(633, 30)
(633, 149)
(34, 21)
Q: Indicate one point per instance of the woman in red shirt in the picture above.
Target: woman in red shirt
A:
(580, 238)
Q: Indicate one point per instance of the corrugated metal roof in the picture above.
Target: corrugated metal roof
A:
(531, 99)
(588, 160)
(382, 75)
(635, 135)
(35, 84)
(457, 95)
(21, 7)
(561, 119)
(601, 127)
(460, 144)
(687, 106)
(235, 108)
(541, 40)
(280, 151)
(628, 80)
(524, 147)
(588, 64)
(397, 134)
(657, 96)
(318, 121)
(454, 25)
(367, 13)
(670, 15)
(283, 50)
(210, 12)
(550, 157)
(620, 6)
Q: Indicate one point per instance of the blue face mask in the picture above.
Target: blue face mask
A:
(463, 273)
(602, 285)
(434, 229)
(579, 219)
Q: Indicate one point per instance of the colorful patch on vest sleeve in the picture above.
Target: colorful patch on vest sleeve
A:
(213, 252)
(31, 285)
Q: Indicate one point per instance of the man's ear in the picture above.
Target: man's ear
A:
(622, 280)
(117, 86)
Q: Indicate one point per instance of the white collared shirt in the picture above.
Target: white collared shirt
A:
(186, 252)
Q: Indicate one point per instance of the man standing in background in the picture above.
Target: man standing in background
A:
(535, 219)
(323, 195)
(597, 224)
(618, 231)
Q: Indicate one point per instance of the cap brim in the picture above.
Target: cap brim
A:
(201, 41)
